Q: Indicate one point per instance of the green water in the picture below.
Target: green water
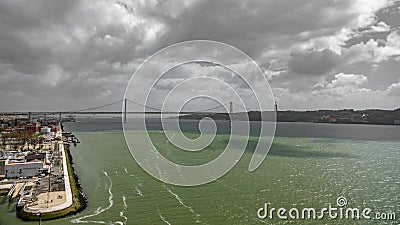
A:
(298, 172)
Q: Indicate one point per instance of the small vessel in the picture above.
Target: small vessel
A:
(69, 118)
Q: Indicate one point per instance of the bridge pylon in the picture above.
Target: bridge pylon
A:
(125, 105)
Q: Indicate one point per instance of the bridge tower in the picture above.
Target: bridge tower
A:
(230, 107)
(125, 105)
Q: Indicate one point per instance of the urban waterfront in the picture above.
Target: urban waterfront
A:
(309, 165)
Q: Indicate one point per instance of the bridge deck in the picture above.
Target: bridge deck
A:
(97, 112)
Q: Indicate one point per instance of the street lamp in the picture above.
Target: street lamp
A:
(40, 218)
(49, 189)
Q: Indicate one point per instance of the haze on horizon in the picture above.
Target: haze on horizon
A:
(63, 55)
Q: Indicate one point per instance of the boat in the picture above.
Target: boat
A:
(69, 118)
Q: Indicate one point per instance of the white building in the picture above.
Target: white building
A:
(45, 130)
(15, 169)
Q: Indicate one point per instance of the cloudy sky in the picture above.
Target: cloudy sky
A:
(59, 55)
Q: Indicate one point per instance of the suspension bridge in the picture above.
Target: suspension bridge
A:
(149, 110)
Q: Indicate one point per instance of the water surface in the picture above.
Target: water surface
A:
(309, 165)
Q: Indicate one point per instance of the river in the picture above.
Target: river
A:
(309, 165)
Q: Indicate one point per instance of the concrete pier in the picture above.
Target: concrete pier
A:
(54, 201)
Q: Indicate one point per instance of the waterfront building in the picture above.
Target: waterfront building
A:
(333, 119)
(33, 127)
(36, 156)
(2, 168)
(45, 130)
(18, 168)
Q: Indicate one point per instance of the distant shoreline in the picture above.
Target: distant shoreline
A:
(346, 116)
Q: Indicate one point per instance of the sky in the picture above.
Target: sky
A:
(64, 55)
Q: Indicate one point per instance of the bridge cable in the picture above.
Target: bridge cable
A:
(241, 106)
(143, 105)
(213, 108)
(177, 112)
(97, 107)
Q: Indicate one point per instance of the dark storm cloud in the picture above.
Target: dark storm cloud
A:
(313, 62)
(79, 53)
(253, 25)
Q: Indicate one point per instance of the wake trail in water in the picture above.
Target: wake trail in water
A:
(138, 191)
(126, 171)
(177, 197)
(163, 219)
(230, 187)
(122, 213)
(124, 201)
(178, 169)
(137, 178)
(99, 209)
